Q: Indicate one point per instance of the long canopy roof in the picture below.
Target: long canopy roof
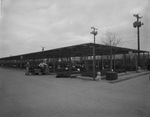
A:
(80, 50)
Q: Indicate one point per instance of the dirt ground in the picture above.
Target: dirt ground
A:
(47, 96)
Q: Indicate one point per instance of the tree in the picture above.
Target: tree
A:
(111, 39)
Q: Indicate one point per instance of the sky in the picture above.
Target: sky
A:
(28, 25)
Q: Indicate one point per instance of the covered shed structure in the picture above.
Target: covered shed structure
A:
(80, 56)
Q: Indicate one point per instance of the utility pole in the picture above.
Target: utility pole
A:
(42, 52)
(42, 48)
(137, 24)
(94, 32)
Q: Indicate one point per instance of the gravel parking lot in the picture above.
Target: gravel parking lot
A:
(47, 96)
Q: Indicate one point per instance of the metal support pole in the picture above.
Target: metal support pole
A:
(94, 32)
(138, 34)
(94, 59)
(54, 62)
(125, 62)
(70, 65)
(138, 24)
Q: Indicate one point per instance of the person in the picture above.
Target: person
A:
(27, 68)
(98, 77)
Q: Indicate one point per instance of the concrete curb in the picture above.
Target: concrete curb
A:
(129, 77)
(126, 77)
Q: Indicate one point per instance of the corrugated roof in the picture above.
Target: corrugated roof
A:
(85, 49)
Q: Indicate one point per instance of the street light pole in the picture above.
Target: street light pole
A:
(94, 32)
(137, 24)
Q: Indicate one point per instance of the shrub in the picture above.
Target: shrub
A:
(63, 75)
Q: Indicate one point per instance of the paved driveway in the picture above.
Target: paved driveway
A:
(47, 96)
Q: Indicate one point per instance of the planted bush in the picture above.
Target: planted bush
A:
(63, 75)
(110, 75)
(88, 73)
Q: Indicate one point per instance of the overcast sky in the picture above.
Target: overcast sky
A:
(26, 25)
